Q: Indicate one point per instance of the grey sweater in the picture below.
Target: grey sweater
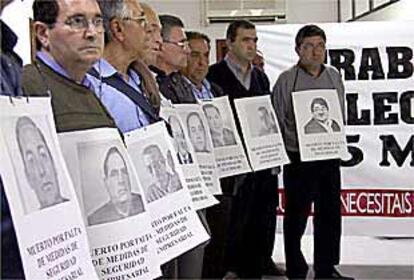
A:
(282, 97)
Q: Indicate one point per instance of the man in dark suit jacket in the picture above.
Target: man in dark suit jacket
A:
(183, 154)
(252, 218)
(10, 84)
(320, 122)
(123, 203)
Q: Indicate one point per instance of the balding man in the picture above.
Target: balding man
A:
(172, 59)
(149, 56)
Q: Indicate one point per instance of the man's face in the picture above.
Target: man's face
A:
(135, 30)
(173, 54)
(245, 45)
(264, 117)
(156, 165)
(39, 166)
(320, 112)
(197, 133)
(117, 179)
(198, 61)
(178, 135)
(69, 46)
(154, 37)
(215, 122)
(312, 51)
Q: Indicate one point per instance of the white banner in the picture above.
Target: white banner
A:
(260, 129)
(175, 221)
(115, 212)
(375, 60)
(49, 225)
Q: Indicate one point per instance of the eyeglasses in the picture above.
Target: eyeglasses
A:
(141, 20)
(311, 47)
(81, 23)
(181, 44)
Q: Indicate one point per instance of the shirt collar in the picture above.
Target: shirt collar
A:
(104, 68)
(205, 88)
(233, 64)
(204, 83)
(55, 66)
(52, 63)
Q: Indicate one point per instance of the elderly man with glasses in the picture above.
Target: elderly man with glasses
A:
(117, 84)
(69, 40)
(172, 59)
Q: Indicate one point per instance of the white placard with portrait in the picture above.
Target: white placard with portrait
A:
(228, 148)
(184, 152)
(46, 213)
(260, 128)
(195, 123)
(112, 203)
(319, 124)
(173, 217)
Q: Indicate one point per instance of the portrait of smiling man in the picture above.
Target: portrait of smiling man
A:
(39, 166)
(321, 122)
(122, 201)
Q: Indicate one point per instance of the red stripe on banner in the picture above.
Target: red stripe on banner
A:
(371, 203)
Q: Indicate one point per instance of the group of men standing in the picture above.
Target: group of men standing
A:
(111, 63)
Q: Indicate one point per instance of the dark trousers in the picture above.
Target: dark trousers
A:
(11, 264)
(247, 226)
(316, 182)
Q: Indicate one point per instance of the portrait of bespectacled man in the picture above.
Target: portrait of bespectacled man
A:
(39, 165)
(320, 121)
(161, 168)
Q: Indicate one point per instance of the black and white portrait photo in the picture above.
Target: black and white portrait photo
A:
(320, 121)
(261, 120)
(107, 184)
(161, 169)
(197, 133)
(221, 135)
(38, 163)
(184, 155)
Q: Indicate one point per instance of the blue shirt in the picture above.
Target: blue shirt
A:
(49, 61)
(204, 93)
(127, 115)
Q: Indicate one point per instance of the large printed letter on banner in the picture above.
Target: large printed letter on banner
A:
(49, 226)
(115, 212)
(375, 60)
